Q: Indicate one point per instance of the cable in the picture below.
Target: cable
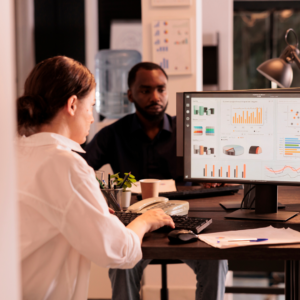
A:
(254, 186)
(252, 203)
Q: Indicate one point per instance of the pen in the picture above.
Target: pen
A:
(100, 183)
(125, 178)
(114, 202)
(248, 240)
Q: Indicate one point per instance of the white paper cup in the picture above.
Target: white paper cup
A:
(150, 188)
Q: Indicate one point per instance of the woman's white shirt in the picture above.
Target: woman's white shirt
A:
(64, 221)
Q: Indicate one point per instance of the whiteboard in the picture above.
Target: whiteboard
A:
(171, 45)
(126, 35)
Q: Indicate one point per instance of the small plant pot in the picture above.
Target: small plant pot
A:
(126, 198)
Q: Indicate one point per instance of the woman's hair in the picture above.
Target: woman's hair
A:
(47, 89)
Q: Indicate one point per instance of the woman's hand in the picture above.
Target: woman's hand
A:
(111, 210)
(150, 221)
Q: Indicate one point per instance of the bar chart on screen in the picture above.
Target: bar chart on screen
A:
(292, 147)
(203, 150)
(203, 110)
(289, 147)
(250, 116)
(230, 171)
(198, 130)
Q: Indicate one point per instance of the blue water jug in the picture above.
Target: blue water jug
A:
(112, 67)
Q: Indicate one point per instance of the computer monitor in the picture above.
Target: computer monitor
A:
(242, 137)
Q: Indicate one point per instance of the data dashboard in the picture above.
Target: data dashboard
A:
(242, 137)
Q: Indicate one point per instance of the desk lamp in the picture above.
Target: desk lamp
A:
(279, 70)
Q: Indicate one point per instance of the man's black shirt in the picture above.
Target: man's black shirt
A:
(126, 147)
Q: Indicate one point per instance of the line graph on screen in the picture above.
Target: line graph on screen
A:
(285, 171)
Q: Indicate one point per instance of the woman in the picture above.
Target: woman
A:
(64, 220)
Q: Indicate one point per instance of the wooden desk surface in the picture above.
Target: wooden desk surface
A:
(157, 246)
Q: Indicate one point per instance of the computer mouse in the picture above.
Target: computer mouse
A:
(182, 236)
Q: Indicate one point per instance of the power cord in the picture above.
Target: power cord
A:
(242, 203)
(252, 203)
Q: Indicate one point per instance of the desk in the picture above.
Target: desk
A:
(157, 246)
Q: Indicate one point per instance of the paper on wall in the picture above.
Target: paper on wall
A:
(171, 45)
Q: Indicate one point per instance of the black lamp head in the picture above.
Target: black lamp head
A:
(279, 70)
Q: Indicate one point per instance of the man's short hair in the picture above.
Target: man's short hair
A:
(143, 65)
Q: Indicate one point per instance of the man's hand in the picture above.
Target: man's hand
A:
(150, 221)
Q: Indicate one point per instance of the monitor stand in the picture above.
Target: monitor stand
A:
(233, 205)
(265, 206)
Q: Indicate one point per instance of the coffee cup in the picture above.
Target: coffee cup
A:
(150, 188)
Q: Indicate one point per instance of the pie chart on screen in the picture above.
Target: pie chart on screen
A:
(255, 150)
(233, 150)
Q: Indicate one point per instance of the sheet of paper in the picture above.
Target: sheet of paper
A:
(274, 236)
(167, 185)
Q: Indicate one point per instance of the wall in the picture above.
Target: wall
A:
(91, 47)
(9, 260)
(218, 17)
(177, 83)
(25, 41)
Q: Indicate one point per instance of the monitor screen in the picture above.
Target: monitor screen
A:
(242, 137)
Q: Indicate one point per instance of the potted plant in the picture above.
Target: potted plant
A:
(124, 183)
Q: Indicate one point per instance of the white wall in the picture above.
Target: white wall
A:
(218, 17)
(91, 47)
(9, 259)
(177, 83)
(25, 41)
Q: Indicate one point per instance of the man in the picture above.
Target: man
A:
(145, 144)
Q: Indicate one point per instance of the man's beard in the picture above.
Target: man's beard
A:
(148, 116)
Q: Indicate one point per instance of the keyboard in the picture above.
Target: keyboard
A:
(188, 193)
(181, 222)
